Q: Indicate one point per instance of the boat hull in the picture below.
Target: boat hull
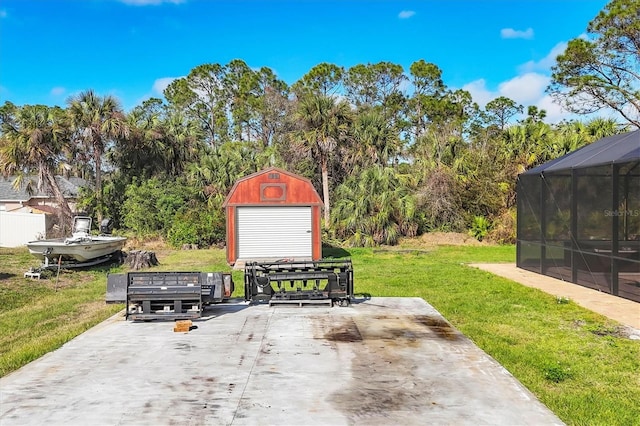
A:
(80, 251)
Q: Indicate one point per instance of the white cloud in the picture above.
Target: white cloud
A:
(58, 91)
(555, 112)
(150, 2)
(525, 89)
(160, 84)
(479, 92)
(511, 33)
(406, 14)
(545, 63)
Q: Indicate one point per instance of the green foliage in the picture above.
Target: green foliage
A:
(375, 207)
(503, 228)
(322, 79)
(601, 70)
(500, 111)
(201, 226)
(557, 373)
(151, 207)
(34, 139)
(96, 120)
(479, 228)
(223, 122)
(87, 202)
(174, 210)
(217, 170)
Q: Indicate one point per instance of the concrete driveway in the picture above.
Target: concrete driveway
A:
(380, 361)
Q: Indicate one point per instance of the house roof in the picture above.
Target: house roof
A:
(36, 209)
(617, 149)
(70, 187)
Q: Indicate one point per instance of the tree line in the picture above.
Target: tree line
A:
(393, 152)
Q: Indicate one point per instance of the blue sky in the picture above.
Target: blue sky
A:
(53, 49)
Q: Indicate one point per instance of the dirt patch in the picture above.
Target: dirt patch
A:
(155, 244)
(433, 239)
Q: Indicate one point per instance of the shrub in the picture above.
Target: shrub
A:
(479, 228)
(503, 229)
(200, 226)
(151, 206)
(374, 207)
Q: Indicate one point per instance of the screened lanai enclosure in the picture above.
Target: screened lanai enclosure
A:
(579, 217)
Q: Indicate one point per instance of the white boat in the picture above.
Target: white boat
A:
(81, 246)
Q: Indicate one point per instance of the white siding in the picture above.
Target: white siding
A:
(274, 232)
(17, 229)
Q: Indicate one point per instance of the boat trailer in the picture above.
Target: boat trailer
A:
(168, 295)
(299, 282)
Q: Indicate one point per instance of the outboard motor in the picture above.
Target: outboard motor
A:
(106, 226)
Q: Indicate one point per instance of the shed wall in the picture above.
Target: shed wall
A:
(17, 229)
(272, 188)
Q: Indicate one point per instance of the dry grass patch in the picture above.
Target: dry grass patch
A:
(435, 239)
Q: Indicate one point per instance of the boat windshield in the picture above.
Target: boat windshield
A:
(82, 225)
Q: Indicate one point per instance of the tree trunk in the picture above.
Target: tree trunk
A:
(98, 160)
(138, 259)
(325, 190)
(62, 202)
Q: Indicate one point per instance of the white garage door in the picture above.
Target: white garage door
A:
(274, 232)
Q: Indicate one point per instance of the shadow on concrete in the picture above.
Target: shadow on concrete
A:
(360, 298)
(220, 309)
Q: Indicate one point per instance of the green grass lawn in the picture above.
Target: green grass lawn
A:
(575, 361)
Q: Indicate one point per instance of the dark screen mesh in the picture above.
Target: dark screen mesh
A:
(567, 220)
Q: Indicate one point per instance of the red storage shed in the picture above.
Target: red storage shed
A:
(273, 214)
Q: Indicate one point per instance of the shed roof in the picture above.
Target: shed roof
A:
(300, 189)
(615, 149)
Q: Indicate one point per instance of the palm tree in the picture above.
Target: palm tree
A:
(138, 153)
(600, 128)
(97, 121)
(377, 143)
(180, 141)
(375, 207)
(325, 123)
(220, 167)
(35, 138)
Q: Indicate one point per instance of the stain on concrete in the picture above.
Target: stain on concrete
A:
(383, 369)
(345, 332)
